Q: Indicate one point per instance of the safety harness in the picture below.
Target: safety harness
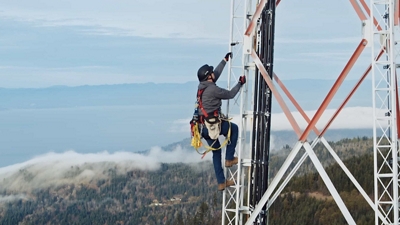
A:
(211, 119)
(198, 122)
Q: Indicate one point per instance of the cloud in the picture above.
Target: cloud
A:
(158, 18)
(58, 34)
(91, 75)
(180, 126)
(349, 118)
(7, 67)
(337, 40)
(55, 169)
(12, 198)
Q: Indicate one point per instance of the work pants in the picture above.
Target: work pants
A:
(230, 148)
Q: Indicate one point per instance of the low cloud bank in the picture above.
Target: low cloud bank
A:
(11, 198)
(349, 118)
(54, 169)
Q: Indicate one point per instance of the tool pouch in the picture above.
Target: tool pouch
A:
(213, 124)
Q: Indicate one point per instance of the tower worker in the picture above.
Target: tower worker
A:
(212, 122)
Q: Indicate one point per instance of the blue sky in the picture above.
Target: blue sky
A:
(45, 43)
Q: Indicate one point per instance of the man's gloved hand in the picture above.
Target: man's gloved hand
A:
(227, 56)
(242, 79)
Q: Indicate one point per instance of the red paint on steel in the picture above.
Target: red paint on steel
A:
(278, 97)
(291, 98)
(350, 95)
(359, 12)
(369, 13)
(396, 13)
(256, 15)
(334, 89)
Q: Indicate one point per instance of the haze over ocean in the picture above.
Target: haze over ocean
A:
(26, 133)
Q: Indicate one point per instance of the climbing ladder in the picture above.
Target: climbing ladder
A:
(385, 35)
(251, 174)
(235, 204)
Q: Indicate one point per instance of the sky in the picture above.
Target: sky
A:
(45, 43)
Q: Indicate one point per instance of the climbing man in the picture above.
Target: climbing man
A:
(213, 123)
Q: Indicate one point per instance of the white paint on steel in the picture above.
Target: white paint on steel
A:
(386, 185)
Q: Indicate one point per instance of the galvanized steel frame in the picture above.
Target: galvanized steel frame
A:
(382, 36)
(235, 204)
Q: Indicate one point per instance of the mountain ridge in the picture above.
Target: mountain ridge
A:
(306, 91)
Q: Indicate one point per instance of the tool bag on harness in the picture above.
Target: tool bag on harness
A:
(213, 125)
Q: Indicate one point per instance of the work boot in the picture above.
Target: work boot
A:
(229, 163)
(227, 183)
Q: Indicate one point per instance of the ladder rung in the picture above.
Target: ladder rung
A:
(238, 67)
(244, 210)
(246, 162)
(230, 210)
(385, 175)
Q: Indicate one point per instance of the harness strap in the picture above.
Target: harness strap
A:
(199, 95)
(199, 100)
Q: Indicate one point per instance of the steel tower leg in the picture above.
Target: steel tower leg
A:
(235, 204)
(386, 153)
(251, 174)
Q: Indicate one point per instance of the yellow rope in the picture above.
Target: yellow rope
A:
(196, 140)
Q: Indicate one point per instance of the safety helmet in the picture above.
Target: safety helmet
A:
(204, 72)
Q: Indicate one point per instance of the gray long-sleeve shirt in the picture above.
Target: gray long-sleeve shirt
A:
(213, 95)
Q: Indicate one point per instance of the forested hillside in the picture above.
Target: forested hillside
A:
(306, 199)
(187, 194)
(139, 197)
